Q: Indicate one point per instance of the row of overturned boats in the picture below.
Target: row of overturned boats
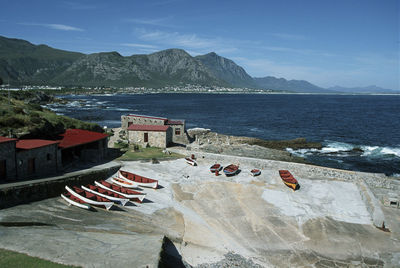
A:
(106, 194)
(232, 170)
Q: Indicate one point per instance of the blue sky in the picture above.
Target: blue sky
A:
(327, 42)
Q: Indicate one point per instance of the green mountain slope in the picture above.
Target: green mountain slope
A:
(22, 62)
(225, 69)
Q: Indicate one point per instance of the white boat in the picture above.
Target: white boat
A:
(124, 182)
(190, 161)
(137, 179)
(112, 196)
(128, 193)
(90, 197)
(77, 202)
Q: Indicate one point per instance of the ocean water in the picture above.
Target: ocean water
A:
(358, 132)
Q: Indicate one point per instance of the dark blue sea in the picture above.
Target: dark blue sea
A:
(341, 122)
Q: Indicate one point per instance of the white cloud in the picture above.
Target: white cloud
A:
(191, 42)
(145, 46)
(163, 22)
(61, 27)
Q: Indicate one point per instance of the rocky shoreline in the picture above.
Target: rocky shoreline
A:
(211, 142)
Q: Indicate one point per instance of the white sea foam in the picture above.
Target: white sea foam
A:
(340, 149)
(376, 151)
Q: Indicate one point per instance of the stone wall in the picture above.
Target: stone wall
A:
(182, 138)
(36, 190)
(155, 138)
(7, 153)
(45, 161)
(125, 119)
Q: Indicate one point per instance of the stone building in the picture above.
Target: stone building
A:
(33, 158)
(82, 145)
(7, 159)
(142, 124)
(150, 135)
(36, 158)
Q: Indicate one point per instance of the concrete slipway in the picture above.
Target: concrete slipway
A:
(329, 221)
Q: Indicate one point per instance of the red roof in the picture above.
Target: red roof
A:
(150, 117)
(4, 139)
(174, 122)
(74, 137)
(148, 127)
(32, 144)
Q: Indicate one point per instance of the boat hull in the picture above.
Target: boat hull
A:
(150, 184)
(107, 205)
(191, 161)
(231, 170)
(140, 197)
(124, 183)
(255, 172)
(74, 203)
(215, 168)
(289, 180)
(122, 201)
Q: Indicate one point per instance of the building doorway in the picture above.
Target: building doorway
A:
(146, 137)
(31, 166)
(3, 170)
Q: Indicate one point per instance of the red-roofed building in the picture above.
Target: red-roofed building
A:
(7, 159)
(150, 135)
(36, 158)
(82, 145)
(134, 123)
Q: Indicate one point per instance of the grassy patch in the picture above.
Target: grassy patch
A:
(147, 154)
(14, 259)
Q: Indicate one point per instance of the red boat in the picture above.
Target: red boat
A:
(128, 193)
(89, 197)
(231, 170)
(215, 167)
(116, 197)
(255, 172)
(137, 179)
(289, 180)
(73, 200)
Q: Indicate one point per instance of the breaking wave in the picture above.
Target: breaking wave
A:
(344, 149)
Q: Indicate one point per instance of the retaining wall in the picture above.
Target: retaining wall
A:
(35, 190)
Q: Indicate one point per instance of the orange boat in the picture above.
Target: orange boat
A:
(289, 180)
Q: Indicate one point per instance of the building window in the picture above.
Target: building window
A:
(146, 137)
(177, 131)
(3, 170)
(48, 157)
(31, 166)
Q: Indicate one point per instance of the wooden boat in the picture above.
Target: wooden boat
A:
(231, 170)
(124, 183)
(190, 161)
(73, 200)
(137, 179)
(106, 194)
(215, 167)
(289, 180)
(128, 193)
(89, 197)
(255, 172)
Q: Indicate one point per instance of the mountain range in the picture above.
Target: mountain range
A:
(24, 63)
